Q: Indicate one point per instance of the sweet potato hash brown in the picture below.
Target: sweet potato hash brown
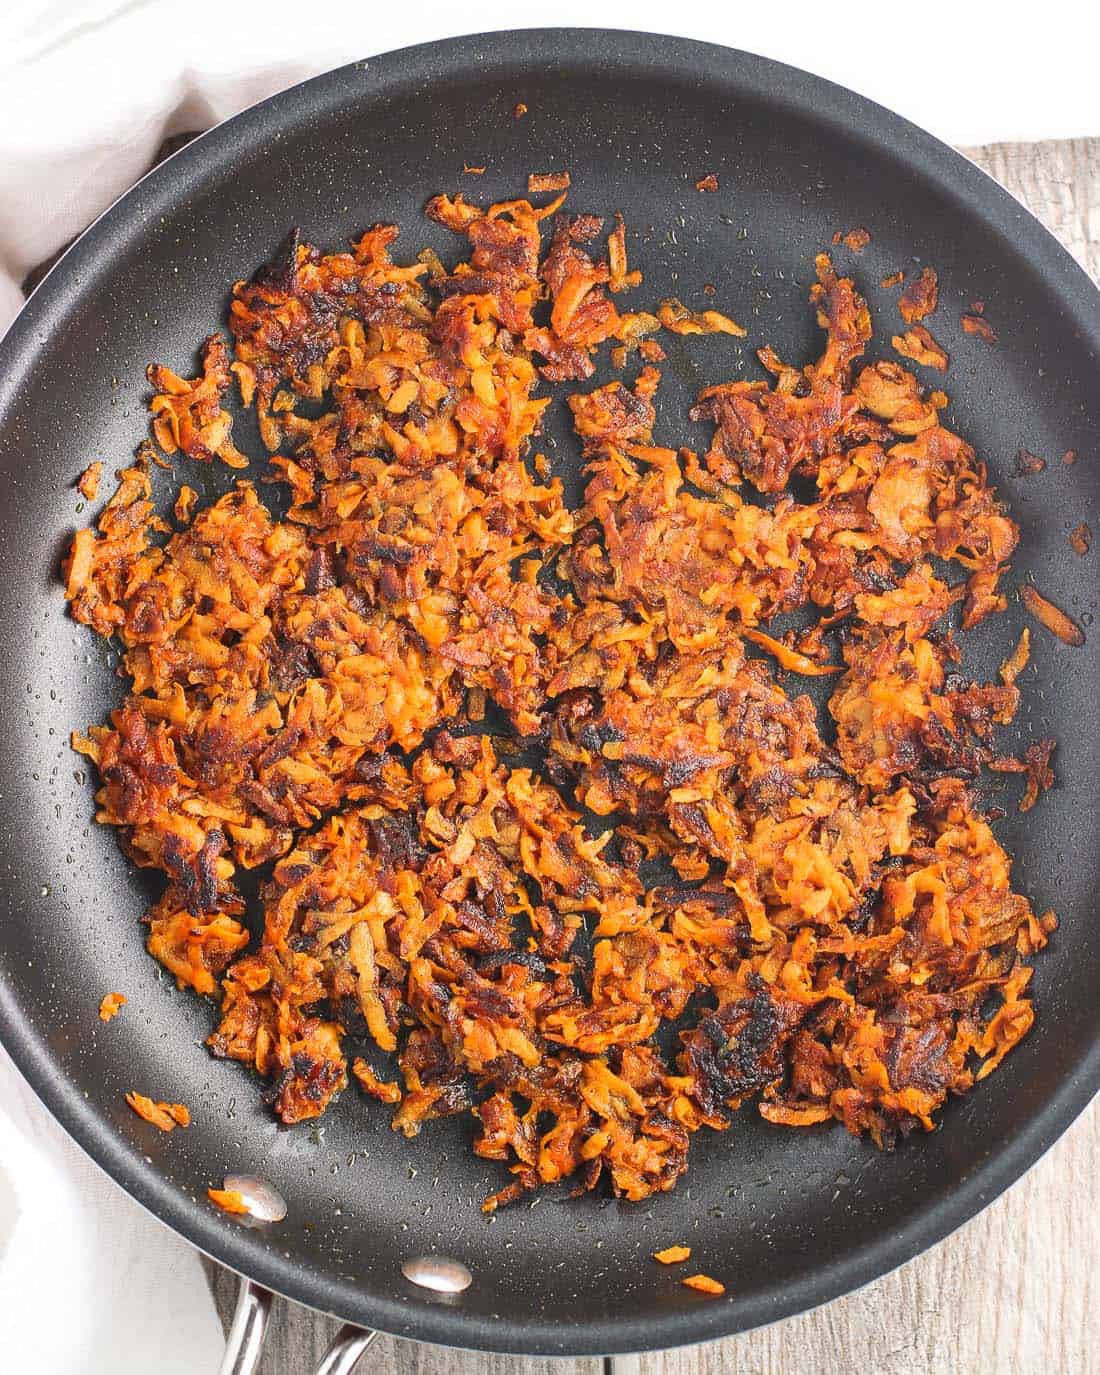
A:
(546, 842)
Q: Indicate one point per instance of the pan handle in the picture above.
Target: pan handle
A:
(244, 1345)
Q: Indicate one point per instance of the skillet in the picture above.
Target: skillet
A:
(788, 1219)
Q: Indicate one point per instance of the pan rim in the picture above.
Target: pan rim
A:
(638, 55)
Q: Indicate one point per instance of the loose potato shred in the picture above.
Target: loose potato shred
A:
(1055, 620)
(339, 695)
(111, 1005)
(703, 1284)
(228, 1200)
(166, 1116)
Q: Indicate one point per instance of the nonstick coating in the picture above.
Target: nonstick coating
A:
(785, 1218)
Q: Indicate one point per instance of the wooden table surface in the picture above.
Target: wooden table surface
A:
(1015, 1291)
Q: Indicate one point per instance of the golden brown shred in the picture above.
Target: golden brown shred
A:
(1035, 764)
(892, 279)
(228, 1200)
(707, 183)
(548, 181)
(855, 239)
(789, 658)
(677, 319)
(919, 344)
(975, 324)
(111, 1005)
(1017, 661)
(672, 1255)
(87, 484)
(188, 416)
(520, 110)
(385, 1091)
(920, 297)
(703, 1284)
(1080, 539)
(184, 506)
(1055, 620)
(166, 1116)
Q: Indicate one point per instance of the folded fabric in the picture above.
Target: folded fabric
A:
(90, 1283)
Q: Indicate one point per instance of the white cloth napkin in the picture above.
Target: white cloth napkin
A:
(89, 1283)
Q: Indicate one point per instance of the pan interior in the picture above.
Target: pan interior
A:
(784, 1218)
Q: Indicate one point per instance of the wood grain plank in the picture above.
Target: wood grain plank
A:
(1015, 1291)
(1012, 1293)
(1059, 182)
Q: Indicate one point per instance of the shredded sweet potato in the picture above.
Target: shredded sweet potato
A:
(856, 239)
(111, 1005)
(1035, 765)
(456, 720)
(1017, 661)
(1029, 464)
(918, 344)
(673, 1255)
(920, 297)
(677, 319)
(385, 1091)
(548, 181)
(166, 1116)
(707, 183)
(87, 484)
(1046, 613)
(976, 325)
(228, 1200)
(704, 1285)
(1080, 539)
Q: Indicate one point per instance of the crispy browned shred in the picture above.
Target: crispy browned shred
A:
(707, 183)
(189, 415)
(856, 239)
(920, 297)
(386, 1091)
(918, 344)
(342, 695)
(677, 319)
(520, 110)
(892, 279)
(228, 1200)
(1035, 765)
(1055, 620)
(184, 506)
(1017, 661)
(1029, 464)
(166, 1116)
(111, 1005)
(1080, 539)
(473, 171)
(87, 484)
(974, 324)
(548, 181)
